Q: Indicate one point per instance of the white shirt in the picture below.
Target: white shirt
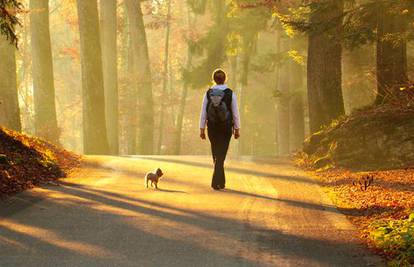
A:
(234, 108)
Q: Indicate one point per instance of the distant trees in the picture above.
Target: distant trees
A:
(43, 79)
(94, 123)
(108, 19)
(9, 106)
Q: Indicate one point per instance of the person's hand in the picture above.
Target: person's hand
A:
(236, 133)
(203, 134)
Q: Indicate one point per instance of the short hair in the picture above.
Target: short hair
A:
(219, 76)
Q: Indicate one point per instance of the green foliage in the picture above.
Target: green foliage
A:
(8, 19)
(396, 238)
(360, 21)
(234, 32)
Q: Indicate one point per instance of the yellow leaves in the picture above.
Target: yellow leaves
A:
(297, 57)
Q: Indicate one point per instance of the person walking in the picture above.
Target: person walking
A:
(220, 113)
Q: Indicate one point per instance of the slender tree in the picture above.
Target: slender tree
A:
(43, 78)
(297, 107)
(248, 44)
(143, 78)
(9, 106)
(94, 123)
(283, 103)
(165, 77)
(324, 66)
(180, 118)
(108, 18)
(131, 103)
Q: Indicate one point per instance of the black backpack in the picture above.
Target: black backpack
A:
(219, 107)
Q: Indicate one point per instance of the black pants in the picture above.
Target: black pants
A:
(220, 140)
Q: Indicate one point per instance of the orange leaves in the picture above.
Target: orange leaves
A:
(389, 198)
(28, 162)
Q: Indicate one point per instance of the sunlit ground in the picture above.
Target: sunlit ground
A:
(270, 215)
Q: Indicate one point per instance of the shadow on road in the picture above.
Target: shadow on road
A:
(290, 178)
(123, 225)
(269, 242)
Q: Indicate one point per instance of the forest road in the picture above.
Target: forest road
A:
(271, 214)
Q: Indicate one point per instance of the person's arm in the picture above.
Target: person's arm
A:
(236, 116)
(203, 118)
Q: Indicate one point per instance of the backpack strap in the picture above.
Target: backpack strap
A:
(208, 98)
(229, 93)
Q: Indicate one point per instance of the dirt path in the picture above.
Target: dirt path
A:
(271, 215)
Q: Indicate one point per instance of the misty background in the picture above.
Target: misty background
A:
(128, 77)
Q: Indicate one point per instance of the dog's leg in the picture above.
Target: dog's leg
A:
(156, 185)
(152, 183)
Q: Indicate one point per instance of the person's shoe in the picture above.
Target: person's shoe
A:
(216, 187)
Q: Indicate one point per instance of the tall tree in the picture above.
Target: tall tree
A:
(131, 101)
(9, 106)
(283, 103)
(165, 77)
(324, 65)
(143, 78)
(248, 44)
(391, 51)
(180, 118)
(94, 122)
(43, 79)
(108, 17)
(297, 106)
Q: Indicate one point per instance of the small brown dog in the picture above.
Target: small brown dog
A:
(153, 177)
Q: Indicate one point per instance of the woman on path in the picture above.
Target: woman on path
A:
(220, 114)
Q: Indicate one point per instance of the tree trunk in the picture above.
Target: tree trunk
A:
(165, 80)
(9, 105)
(143, 77)
(283, 104)
(391, 55)
(297, 114)
(278, 43)
(94, 122)
(181, 112)
(324, 68)
(108, 9)
(244, 147)
(43, 82)
(131, 102)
